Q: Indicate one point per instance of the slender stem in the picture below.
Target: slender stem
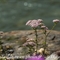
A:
(45, 41)
(53, 26)
(51, 29)
(46, 37)
(36, 40)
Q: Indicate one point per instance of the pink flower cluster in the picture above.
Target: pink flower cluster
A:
(56, 21)
(29, 43)
(34, 23)
(39, 22)
(44, 27)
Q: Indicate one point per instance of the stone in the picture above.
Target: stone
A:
(52, 45)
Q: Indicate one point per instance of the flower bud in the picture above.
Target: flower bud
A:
(44, 27)
(28, 23)
(56, 21)
(40, 20)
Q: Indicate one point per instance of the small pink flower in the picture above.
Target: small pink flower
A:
(44, 27)
(31, 43)
(41, 24)
(40, 20)
(56, 21)
(33, 23)
(28, 23)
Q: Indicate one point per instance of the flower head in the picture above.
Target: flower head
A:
(40, 20)
(31, 43)
(41, 24)
(56, 21)
(28, 23)
(34, 23)
(44, 27)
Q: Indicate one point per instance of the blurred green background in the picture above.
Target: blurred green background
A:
(15, 13)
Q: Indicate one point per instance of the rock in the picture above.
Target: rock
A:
(58, 53)
(41, 51)
(52, 57)
(10, 51)
(52, 45)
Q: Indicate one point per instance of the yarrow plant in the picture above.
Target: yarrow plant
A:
(30, 45)
(35, 24)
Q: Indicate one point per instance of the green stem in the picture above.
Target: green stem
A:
(36, 40)
(46, 37)
(45, 42)
(51, 29)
